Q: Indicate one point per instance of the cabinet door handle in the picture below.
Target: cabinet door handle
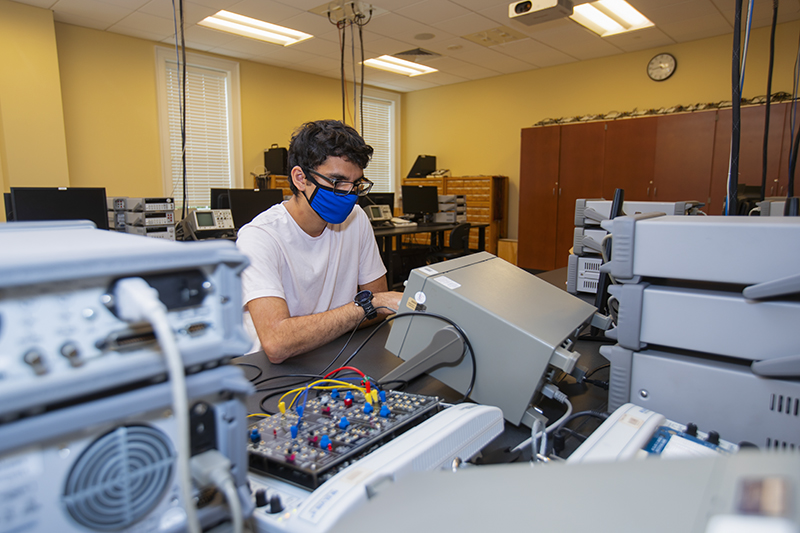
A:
(648, 192)
(559, 191)
(655, 192)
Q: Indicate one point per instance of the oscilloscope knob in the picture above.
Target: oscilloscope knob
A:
(275, 504)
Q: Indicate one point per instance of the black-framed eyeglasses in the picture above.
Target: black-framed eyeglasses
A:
(340, 187)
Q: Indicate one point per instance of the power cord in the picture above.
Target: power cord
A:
(211, 468)
(549, 391)
(136, 301)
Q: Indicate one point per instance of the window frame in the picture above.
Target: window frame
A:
(395, 99)
(231, 68)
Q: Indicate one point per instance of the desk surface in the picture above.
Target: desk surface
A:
(375, 361)
(387, 231)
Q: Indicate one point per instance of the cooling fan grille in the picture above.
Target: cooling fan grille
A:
(119, 478)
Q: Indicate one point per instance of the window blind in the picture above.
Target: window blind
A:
(208, 148)
(378, 125)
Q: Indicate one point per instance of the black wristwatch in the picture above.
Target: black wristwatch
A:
(364, 300)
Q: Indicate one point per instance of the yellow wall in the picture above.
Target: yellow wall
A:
(474, 128)
(32, 141)
(108, 86)
(275, 102)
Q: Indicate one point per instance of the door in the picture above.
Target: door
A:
(538, 202)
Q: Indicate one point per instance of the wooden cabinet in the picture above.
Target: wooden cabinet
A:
(580, 174)
(630, 157)
(751, 150)
(538, 203)
(280, 182)
(487, 198)
(684, 153)
(657, 158)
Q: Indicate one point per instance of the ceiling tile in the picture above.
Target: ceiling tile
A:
(93, 10)
(266, 10)
(144, 22)
(46, 4)
(192, 13)
(640, 39)
(433, 11)
(206, 39)
(535, 53)
(697, 28)
(81, 20)
(466, 25)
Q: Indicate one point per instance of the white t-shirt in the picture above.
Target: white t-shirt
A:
(312, 274)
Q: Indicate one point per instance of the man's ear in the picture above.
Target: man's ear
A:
(298, 177)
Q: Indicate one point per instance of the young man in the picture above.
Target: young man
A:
(312, 255)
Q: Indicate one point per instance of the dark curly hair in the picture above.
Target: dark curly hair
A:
(313, 142)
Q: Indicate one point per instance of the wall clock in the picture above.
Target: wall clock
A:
(661, 67)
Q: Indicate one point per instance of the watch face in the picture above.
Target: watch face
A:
(363, 297)
(661, 67)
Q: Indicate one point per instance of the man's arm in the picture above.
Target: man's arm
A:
(381, 297)
(283, 336)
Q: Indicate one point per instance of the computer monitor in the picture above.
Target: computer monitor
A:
(245, 204)
(377, 198)
(9, 208)
(60, 203)
(424, 165)
(420, 200)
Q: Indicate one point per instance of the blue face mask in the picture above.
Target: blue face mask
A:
(331, 207)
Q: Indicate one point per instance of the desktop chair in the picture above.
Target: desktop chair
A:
(458, 245)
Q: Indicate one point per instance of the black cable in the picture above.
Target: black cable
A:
(361, 101)
(601, 367)
(180, 58)
(342, 46)
(306, 377)
(769, 97)
(559, 433)
(322, 373)
(467, 344)
(597, 383)
(183, 114)
(260, 372)
(355, 78)
(736, 102)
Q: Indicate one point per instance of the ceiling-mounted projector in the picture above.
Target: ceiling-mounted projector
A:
(532, 12)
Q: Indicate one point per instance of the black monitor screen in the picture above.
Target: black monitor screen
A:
(247, 204)
(424, 165)
(9, 209)
(377, 198)
(60, 203)
(420, 199)
(219, 199)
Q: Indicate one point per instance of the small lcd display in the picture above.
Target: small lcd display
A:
(205, 219)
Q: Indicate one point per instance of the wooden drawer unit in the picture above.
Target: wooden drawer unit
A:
(487, 197)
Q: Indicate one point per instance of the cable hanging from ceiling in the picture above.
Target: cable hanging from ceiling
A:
(180, 53)
(354, 18)
(764, 157)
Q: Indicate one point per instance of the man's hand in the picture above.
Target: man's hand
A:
(387, 299)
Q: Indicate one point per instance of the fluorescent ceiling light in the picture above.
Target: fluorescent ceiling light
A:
(399, 66)
(253, 28)
(609, 17)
